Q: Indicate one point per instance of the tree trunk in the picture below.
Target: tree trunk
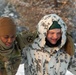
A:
(56, 3)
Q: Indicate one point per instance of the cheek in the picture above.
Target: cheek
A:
(48, 36)
(4, 40)
(59, 36)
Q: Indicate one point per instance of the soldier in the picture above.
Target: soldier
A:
(11, 45)
(51, 52)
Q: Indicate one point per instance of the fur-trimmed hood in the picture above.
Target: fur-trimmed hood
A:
(44, 60)
(44, 25)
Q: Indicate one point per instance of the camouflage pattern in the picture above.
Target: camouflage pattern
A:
(40, 59)
(72, 64)
(9, 63)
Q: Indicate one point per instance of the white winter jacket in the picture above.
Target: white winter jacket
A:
(40, 59)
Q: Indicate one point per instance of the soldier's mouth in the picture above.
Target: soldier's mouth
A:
(8, 44)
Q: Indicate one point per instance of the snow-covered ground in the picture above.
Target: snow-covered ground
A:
(21, 70)
(68, 73)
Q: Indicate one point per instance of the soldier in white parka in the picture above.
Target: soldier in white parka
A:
(49, 54)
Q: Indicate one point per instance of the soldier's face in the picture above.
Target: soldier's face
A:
(8, 39)
(54, 35)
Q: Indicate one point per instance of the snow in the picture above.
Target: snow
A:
(68, 73)
(21, 70)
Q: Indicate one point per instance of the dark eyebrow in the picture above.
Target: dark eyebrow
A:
(9, 36)
(6, 35)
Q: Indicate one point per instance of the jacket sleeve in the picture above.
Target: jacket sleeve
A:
(24, 56)
(23, 64)
(72, 65)
(70, 49)
(25, 38)
(64, 64)
(25, 60)
(20, 42)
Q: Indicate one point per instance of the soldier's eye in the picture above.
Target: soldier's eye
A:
(13, 36)
(6, 37)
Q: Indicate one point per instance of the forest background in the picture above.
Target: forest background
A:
(27, 13)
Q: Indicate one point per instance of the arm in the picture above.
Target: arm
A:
(21, 70)
(64, 60)
(64, 65)
(0, 72)
(70, 49)
(25, 38)
(72, 65)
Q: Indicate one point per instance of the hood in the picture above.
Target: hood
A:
(43, 27)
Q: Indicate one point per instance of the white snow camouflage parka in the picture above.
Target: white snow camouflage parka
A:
(40, 59)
